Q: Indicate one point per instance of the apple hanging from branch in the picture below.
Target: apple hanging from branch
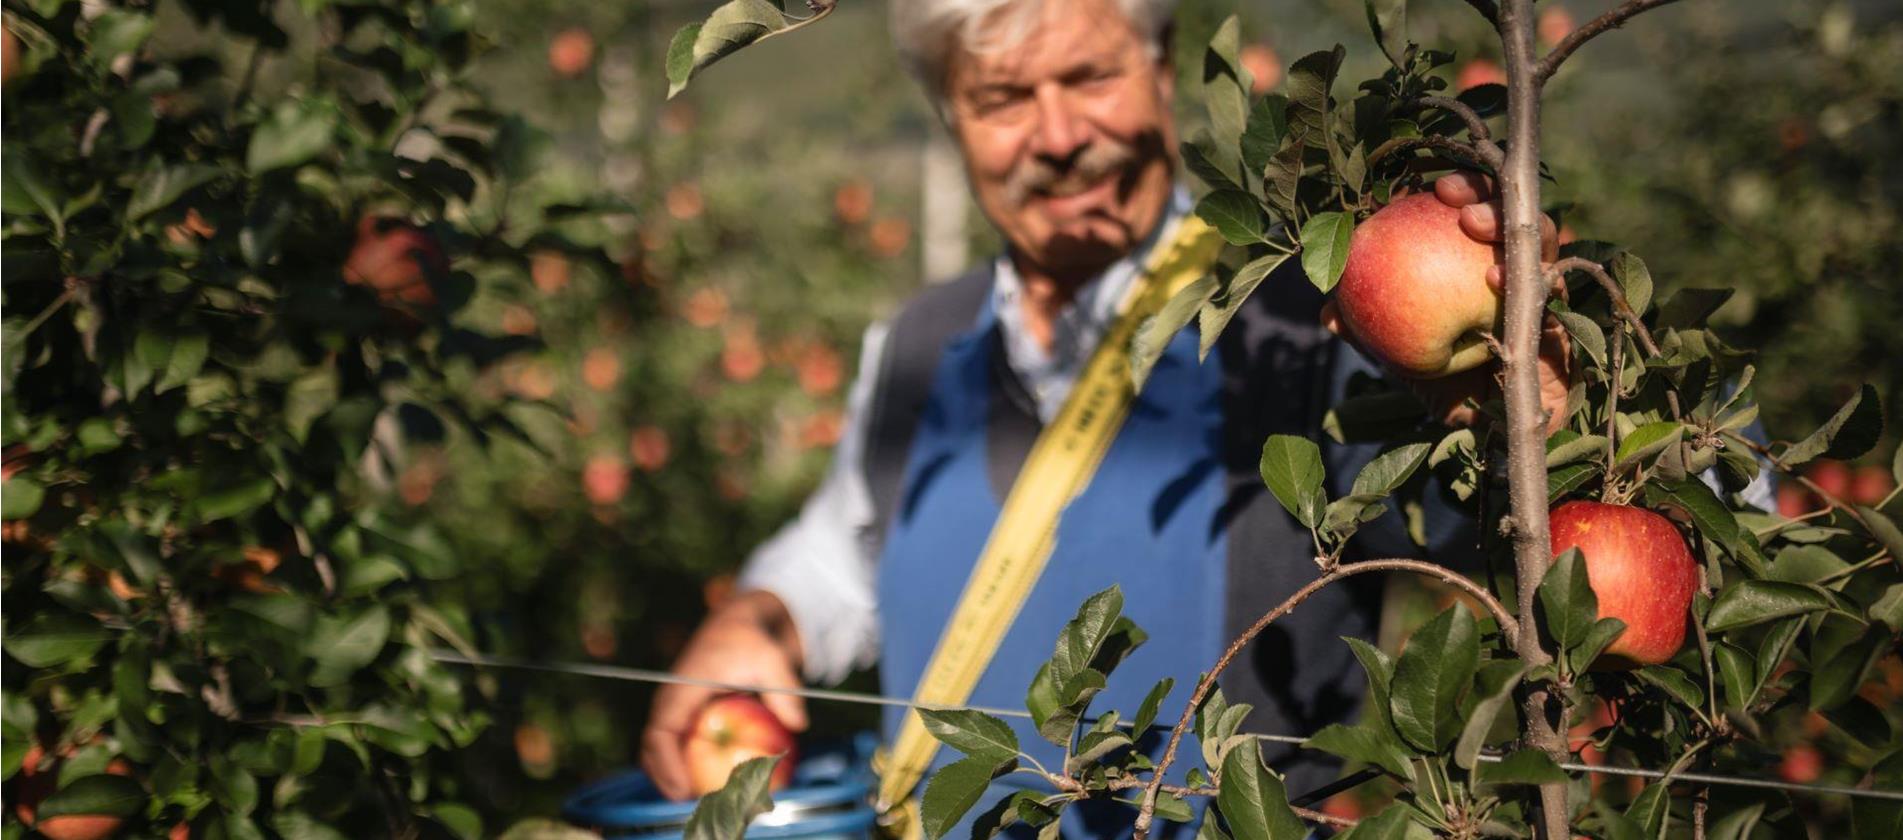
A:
(1641, 572)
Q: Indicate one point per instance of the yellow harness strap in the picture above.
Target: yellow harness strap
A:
(1059, 466)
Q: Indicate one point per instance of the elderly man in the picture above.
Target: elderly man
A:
(1062, 110)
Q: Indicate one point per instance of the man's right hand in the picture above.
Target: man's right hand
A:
(750, 640)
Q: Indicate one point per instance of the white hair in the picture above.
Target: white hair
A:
(928, 33)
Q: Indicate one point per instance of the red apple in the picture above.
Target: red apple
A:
(1479, 72)
(570, 52)
(730, 730)
(1871, 484)
(1793, 501)
(1264, 66)
(1555, 24)
(39, 774)
(1414, 292)
(396, 259)
(1832, 477)
(1641, 572)
(1802, 764)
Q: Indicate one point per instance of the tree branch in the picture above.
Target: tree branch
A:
(1831, 502)
(1622, 308)
(1508, 626)
(1593, 29)
(1526, 293)
(1467, 151)
(1476, 127)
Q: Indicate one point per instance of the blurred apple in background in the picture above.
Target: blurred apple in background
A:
(1479, 72)
(571, 52)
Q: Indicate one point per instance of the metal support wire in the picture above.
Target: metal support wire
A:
(616, 672)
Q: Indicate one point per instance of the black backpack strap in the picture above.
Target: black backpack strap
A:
(907, 368)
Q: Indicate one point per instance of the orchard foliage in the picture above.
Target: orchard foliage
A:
(1792, 616)
(237, 269)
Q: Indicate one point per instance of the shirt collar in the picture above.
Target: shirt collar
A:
(1096, 303)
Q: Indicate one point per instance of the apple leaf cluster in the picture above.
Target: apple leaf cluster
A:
(238, 269)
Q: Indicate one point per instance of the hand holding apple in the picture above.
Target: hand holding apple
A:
(1641, 572)
(749, 640)
(1423, 284)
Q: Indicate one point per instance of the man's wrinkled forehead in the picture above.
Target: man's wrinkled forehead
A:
(1025, 40)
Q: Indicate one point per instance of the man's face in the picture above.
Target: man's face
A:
(1066, 136)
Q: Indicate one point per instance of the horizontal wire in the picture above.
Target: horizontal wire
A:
(616, 672)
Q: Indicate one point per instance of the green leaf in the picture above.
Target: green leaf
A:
(1604, 632)
(1281, 180)
(1387, 19)
(1347, 514)
(1675, 683)
(1713, 519)
(160, 186)
(1390, 469)
(1737, 673)
(1736, 825)
(1171, 807)
(1093, 746)
(1586, 333)
(105, 793)
(1566, 479)
(1208, 162)
(1310, 79)
(1634, 279)
(1650, 810)
(1146, 713)
(1884, 529)
(1647, 441)
(1495, 691)
(1522, 767)
(341, 646)
(1325, 240)
(235, 500)
(953, 790)
(725, 813)
(23, 191)
(680, 58)
(1268, 124)
(1836, 677)
(1253, 801)
(1380, 672)
(1292, 467)
(1852, 431)
(116, 33)
(55, 637)
(1085, 633)
(1430, 676)
(1747, 602)
(1234, 214)
(1363, 744)
(1225, 93)
(20, 497)
(1394, 823)
(1216, 314)
(296, 131)
(729, 28)
(972, 733)
(1156, 332)
(1568, 606)
(1889, 608)
(1688, 308)
(1573, 447)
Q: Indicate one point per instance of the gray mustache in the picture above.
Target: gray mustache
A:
(1039, 174)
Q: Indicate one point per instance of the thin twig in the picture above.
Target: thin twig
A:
(1508, 627)
(1446, 144)
(1476, 127)
(1831, 502)
(1622, 309)
(1612, 397)
(1593, 28)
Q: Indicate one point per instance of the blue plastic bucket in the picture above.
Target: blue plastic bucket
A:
(828, 799)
